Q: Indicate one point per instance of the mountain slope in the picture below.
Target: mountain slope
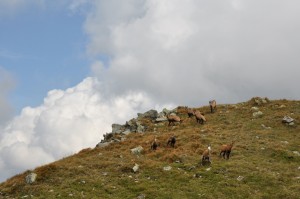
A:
(264, 163)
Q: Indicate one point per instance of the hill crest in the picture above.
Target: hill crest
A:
(265, 159)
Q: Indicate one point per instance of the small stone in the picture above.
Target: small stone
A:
(141, 196)
(135, 168)
(240, 178)
(284, 142)
(254, 108)
(197, 175)
(167, 168)
(296, 152)
(257, 114)
(104, 173)
(208, 169)
(138, 150)
(287, 119)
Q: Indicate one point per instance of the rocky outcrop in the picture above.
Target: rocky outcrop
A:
(135, 125)
(258, 101)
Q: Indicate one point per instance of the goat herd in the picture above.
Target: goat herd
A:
(225, 149)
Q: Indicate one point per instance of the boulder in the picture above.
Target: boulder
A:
(102, 144)
(138, 150)
(117, 128)
(287, 119)
(257, 114)
(152, 114)
(31, 178)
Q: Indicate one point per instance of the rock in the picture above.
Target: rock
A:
(282, 106)
(240, 178)
(138, 150)
(140, 128)
(131, 125)
(257, 114)
(152, 114)
(259, 101)
(197, 175)
(126, 132)
(141, 196)
(291, 124)
(254, 108)
(167, 168)
(135, 168)
(31, 178)
(117, 128)
(287, 119)
(161, 119)
(265, 127)
(296, 153)
(101, 145)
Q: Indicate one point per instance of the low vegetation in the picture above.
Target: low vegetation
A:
(264, 160)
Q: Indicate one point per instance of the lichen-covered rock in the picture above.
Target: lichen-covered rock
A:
(152, 114)
(31, 178)
(138, 150)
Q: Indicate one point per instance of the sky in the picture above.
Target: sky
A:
(69, 69)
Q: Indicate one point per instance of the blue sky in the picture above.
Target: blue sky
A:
(43, 49)
(69, 69)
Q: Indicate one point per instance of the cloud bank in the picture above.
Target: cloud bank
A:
(191, 51)
(7, 83)
(68, 121)
(156, 52)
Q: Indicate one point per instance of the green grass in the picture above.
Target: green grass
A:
(263, 158)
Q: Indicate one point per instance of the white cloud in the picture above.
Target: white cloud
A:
(191, 51)
(11, 7)
(7, 83)
(66, 122)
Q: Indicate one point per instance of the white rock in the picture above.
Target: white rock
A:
(254, 108)
(137, 150)
(135, 168)
(240, 178)
(31, 178)
(257, 114)
(167, 168)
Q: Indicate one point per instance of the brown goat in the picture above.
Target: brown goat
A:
(206, 155)
(226, 150)
(173, 118)
(199, 117)
(172, 141)
(190, 112)
(154, 144)
(213, 105)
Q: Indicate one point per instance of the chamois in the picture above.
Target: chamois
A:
(172, 141)
(199, 117)
(206, 155)
(154, 144)
(226, 150)
(173, 118)
(213, 105)
(190, 112)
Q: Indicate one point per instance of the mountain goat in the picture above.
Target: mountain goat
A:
(226, 150)
(213, 106)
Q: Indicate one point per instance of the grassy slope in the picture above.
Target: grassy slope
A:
(264, 157)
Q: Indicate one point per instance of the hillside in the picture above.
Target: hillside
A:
(264, 162)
